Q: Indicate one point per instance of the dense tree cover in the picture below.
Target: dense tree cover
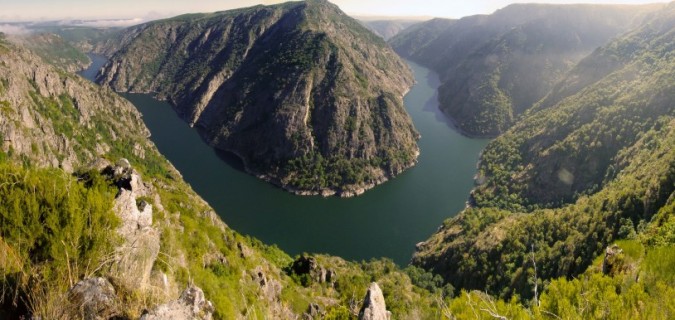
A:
(569, 180)
(558, 153)
(495, 67)
(486, 248)
(642, 289)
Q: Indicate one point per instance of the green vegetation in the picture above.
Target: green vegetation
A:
(57, 51)
(496, 67)
(3, 44)
(489, 248)
(593, 295)
(314, 171)
(54, 230)
(591, 129)
(571, 179)
(575, 216)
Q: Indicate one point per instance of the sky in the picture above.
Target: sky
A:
(134, 11)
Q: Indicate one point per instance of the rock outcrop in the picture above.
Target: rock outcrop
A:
(136, 256)
(309, 266)
(307, 97)
(192, 305)
(313, 312)
(374, 307)
(94, 297)
(612, 262)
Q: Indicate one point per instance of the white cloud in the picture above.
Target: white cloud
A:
(13, 29)
(100, 23)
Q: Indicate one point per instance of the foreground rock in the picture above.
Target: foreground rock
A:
(136, 256)
(374, 307)
(95, 298)
(191, 305)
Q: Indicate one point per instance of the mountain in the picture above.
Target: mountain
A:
(52, 119)
(55, 49)
(96, 224)
(81, 37)
(569, 179)
(495, 67)
(307, 97)
(415, 39)
(387, 29)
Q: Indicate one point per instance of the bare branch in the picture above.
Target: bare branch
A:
(494, 315)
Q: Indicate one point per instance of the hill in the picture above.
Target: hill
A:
(494, 67)
(570, 179)
(306, 96)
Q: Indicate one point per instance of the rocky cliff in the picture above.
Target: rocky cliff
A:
(495, 67)
(56, 50)
(305, 95)
(51, 118)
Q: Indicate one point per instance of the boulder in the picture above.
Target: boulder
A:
(374, 307)
(134, 216)
(125, 177)
(313, 312)
(270, 289)
(244, 251)
(305, 265)
(134, 259)
(141, 242)
(94, 298)
(613, 262)
(123, 164)
(191, 305)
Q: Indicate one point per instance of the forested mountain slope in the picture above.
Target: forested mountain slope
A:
(568, 180)
(495, 67)
(305, 95)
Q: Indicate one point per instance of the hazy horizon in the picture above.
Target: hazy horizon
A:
(126, 12)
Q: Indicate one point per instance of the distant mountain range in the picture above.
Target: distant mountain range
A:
(495, 67)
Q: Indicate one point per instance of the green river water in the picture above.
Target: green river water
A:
(386, 221)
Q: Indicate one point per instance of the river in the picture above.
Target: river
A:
(386, 221)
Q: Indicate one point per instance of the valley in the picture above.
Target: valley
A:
(283, 162)
(376, 224)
